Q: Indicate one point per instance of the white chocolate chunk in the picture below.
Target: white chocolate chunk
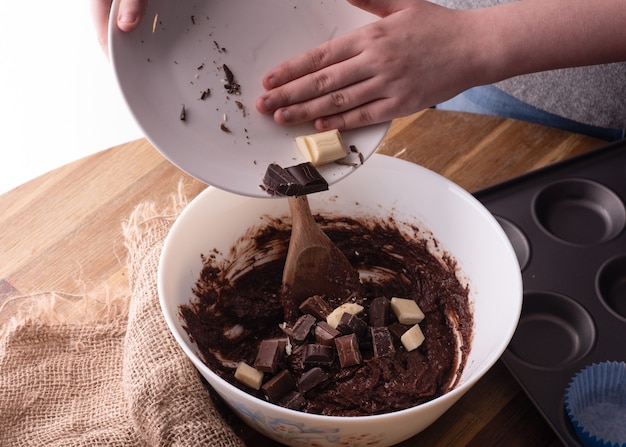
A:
(413, 338)
(334, 317)
(407, 311)
(249, 376)
(322, 148)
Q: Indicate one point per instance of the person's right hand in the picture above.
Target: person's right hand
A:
(415, 56)
(129, 15)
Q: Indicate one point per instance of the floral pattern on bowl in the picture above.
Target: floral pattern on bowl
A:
(282, 430)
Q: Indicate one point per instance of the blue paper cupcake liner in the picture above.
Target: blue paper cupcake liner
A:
(595, 401)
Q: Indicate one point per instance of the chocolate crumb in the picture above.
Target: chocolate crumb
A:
(183, 113)
(231, 85)
(224, 128)
(205, 94)
(241, 107)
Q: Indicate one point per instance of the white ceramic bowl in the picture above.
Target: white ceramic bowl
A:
(178, 51)
(383, 186)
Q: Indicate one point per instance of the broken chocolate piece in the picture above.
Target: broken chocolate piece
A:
(397, 329)
(249, 376)
(334, 317)
(295, 180)
(231, 85)
(293, 401)
(351, 324)
(278, 181)
(316, 306)
(325, 334)
(348, 350)
(270, 354)
(382, 342)
(183, 113)
(407, 310)
(413, 338)
(319, 355)
(379, 312)
(302, 328)
(308, 177)
(278, 386)
(312, 378)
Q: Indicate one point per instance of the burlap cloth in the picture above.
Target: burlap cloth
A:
(105, 370)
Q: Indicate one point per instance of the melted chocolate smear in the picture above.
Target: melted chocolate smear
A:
(247, 292)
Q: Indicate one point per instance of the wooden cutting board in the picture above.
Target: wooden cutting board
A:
(62, 232)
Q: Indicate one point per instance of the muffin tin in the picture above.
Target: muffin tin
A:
(567, 224)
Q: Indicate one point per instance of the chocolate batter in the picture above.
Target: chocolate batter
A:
(238, 304)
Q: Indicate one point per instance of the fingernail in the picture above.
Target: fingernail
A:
(285, 115)
(321, 124)
(270, 82)
(126, 18)
(267, 103)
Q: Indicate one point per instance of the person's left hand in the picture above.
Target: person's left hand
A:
(414, 57)
(129, 15)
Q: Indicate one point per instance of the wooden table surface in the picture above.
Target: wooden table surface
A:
(62, 232)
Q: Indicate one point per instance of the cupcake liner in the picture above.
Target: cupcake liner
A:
(595, 401)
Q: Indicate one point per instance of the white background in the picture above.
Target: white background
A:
(59, 100)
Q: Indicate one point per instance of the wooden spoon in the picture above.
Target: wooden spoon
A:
(314, 265)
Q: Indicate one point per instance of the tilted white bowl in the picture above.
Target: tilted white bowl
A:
(384, 186)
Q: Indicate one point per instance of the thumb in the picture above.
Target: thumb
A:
(381, 8)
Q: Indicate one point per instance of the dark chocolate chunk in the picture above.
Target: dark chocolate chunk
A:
(270, 354)
(351, 324)
(278, 181)
(295, 180)
(325, 334)
(183, 113)
(316, 306)
(293, 401)
(319, 355)
(379, 312)
(231, 85)
(397, 329)
(348, 350)
(278, 386)
(302, 328)
(308, 177)
(230, 77)
(382, 343)
(311, 378)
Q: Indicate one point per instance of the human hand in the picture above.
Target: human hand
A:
(128, 17)
(417, 55)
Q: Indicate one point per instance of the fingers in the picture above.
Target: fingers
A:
(381, 8)
(332, 103)
(313, 60)
(130, 13)
(315, 85)
(100, 10)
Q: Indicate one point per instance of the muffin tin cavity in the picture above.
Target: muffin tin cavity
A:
(518, 240)
(580, 211)
(567, 225)
(611, 285)
(553, 330)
